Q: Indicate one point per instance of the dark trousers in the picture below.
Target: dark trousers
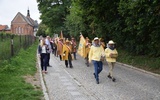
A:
(54, 52)
(98, 66)
(69, 61)
(87, 62)
(74, 54)
(48, 58)
(43, 61)
(60, 57)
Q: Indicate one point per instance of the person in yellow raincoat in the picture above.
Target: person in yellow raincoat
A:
(111, 55)
(67, 57)
(87, 49)
(95, 54)
(74, 48)
(60, 48)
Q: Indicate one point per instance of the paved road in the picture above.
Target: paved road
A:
(79, 83)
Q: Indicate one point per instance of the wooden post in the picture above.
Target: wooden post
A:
(12, 51)
(25, 42)
(20, 40)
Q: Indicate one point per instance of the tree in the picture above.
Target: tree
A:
(41, 30)
(133, 24)
(53, 14)
(142, 20)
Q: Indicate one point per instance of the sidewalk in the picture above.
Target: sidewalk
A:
(63, 83)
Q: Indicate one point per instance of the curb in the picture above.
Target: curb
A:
(45, 93)
(132, 67)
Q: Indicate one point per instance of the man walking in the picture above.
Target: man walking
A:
(111, 56)
(95, 54)
(49, 50)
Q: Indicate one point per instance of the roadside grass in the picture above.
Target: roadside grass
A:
(5, 47)
(12, 83)
(8, 45)
(143, 62)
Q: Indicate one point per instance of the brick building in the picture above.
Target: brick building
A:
(24, 25)
(5, 28)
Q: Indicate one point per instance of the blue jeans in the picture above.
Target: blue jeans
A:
(98, 66)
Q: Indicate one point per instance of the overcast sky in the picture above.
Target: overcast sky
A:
(9, 9)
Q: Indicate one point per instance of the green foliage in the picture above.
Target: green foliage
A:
(74, 21)
(12, 85)
(93, 18)
(41, 30)
(54, 13)
(141, 21)
(132, 24)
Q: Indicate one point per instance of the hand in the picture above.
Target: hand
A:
(110, 54)
(63, 54)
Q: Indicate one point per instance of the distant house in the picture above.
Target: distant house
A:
(24, 25)
(5, 28)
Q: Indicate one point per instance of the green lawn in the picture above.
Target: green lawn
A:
(12, 84)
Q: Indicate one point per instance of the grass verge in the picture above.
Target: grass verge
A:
(13, 85)
(143, 62)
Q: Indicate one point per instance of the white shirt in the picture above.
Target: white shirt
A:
(43, 49)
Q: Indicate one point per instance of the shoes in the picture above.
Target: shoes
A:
(87, 65)
(113, 79)
(66, 66)
(71, 66)
(97, 82)
(45, 72)
(109, 76)
(94, 75)
(49, 66)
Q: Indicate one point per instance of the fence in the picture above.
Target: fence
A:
(10, 45)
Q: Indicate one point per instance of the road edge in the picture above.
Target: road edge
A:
(45, 93)
(142, 70)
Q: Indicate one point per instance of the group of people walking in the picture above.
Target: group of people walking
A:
(60, 47)
(95, 52)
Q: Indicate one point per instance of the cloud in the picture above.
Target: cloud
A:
(9, 9)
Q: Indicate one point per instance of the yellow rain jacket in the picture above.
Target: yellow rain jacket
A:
(114, 55)
(66, 51)
(87, 49)
(59, 48)
(95, 53)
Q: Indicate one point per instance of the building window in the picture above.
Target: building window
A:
(19, 30)
(16, 30)
(22, 30)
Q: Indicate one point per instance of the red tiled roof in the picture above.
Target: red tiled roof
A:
(3, 27)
